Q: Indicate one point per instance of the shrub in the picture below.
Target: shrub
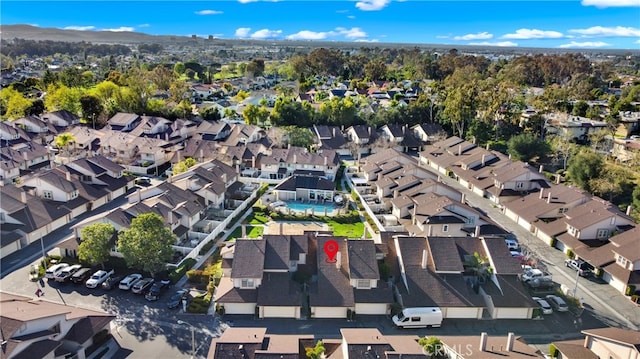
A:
(635, 298)
(207, 247)
(569, 253)
(197, 276)
(553, 351)
(199, 304)
(178, 272)
(552, 242)
(385, 271)
(630, 289)
(537, 313)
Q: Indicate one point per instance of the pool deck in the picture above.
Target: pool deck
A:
(293, 227)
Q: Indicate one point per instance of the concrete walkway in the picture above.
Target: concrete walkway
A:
(600, 298)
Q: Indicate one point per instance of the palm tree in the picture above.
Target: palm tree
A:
(480, 267)
(64, 140)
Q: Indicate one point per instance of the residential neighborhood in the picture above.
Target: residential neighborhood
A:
(320, 204)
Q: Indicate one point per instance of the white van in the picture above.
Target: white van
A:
(419, 318)
(54, 270)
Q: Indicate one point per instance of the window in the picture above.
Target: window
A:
(572, 231)
(445, 228)
(621, 260)
(603, 233)
(415, 319)
(363, 284)
(520, 185)
(562, 210)
(246, 283)
(47, 195)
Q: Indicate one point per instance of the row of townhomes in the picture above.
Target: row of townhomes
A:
(42, 329)
(370, 343)
(565, 217)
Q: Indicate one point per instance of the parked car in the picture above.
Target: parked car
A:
(81, 275)
(557, 303)
(54, 270)
(581, 266)
(157, 289)
(513, 245)
(142, 286)
(176, 299)
(98, 278)
(535, 274)
(66, 273)
(544, 305)
(111, 282)
(129, 281)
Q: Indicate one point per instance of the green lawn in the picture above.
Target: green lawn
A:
(350, 230)
(252, 232)
(257, 218)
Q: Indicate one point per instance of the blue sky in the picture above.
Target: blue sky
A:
(607, 24)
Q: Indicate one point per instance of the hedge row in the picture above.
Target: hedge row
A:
(177, 273)
(199, 304)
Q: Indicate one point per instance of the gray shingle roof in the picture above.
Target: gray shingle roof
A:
(362, 259)
(277, 249)
(307, 182)
(248, 261)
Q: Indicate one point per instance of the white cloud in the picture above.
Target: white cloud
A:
(351, 17)
(637, 41)
(601, 31)
(80, 28)
(266, 34)
(342, 11)
(479, 36)
(310, 35)
(246, 1)
(144, 25)
(366, 40)
(208, 12)
(242, 32)
(499, 43)
(584, 44)
(533, 34)
(121, 29)
(353, 33)
(611, 3)
(372, 5)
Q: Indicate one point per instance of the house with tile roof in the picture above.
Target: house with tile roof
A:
(61, 118)
(22, 159)
(601, 343)
(400, 137)
(39, 130)
(280, 163)
(43, 329)
(353, 344)
(362, 135)
(331, 138)
(123, 121)
(428, 132)
(260, 280)
(485, 346)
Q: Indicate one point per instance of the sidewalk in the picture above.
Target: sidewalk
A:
(603, 298)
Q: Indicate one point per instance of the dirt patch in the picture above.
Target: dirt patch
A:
(293, 228)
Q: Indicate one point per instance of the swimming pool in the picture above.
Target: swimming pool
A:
(318, 208)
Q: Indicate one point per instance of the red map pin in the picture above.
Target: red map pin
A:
(331, 249)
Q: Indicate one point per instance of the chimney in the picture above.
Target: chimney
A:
(483, 341)
(334, 132)
(459, 150)
(23, 196)
(170, 218)
(487, 146)
(541, 168)
(541, 193)
(425, 259)
(484, 159)
(463, 198)
(139, 195)
(549, 197)
(224, 177)
(166, 136)
(295, 159)
(558, 179)
(326, 161)
(244, 231)
(369, 131)
(67, 175)
(628, 212)
(477, 232)
(201, 155)
(395, 193)
(510, 341)
(253, 161)
(338, 259)
(429, 231)
(25, 155)
(509, 157)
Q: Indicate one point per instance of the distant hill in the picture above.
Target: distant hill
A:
(29, 32)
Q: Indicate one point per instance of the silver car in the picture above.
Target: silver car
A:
(557, 303)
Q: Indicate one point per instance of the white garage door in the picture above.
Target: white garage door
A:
(469, 313)
(512, 313)
(371, 308)
(279, 312)
(329, 312)
(524, 223)
(239, 308)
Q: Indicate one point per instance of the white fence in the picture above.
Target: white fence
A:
(366, 207)
(195, 252)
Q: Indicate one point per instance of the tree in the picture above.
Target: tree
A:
(179, 68)
(433, 347)
(584, 167)
(64, 140)
(299, 136)
(95, 243)
(479, 265)
(315, 352)
(525, 147)
(210, 114)
(36, 108)
(91, 108)
(580, 108)
(14, 104)
(613, 181)
(184, 165)
(146, 245)
(375, 70)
